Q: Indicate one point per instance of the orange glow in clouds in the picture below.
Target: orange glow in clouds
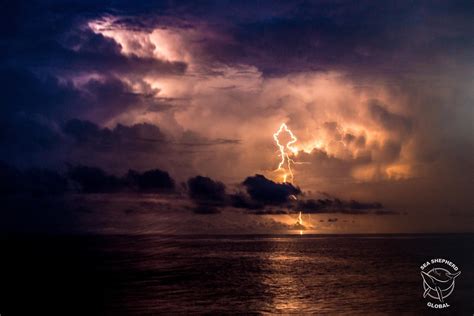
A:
(338, 127)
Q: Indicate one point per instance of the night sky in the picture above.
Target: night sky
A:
(121, 116)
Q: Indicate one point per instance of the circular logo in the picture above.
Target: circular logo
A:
(439, 277)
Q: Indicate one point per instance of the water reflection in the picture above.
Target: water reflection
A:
(138, 275)
(287, 288)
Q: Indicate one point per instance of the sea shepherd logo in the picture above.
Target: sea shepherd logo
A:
(438, 281)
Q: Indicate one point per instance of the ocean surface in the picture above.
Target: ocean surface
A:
(150, 275)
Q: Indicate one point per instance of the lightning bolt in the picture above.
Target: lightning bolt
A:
(284, 150)
(299, 222)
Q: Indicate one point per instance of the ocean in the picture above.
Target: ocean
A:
(258, 274)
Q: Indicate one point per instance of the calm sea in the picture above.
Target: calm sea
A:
(149, 275)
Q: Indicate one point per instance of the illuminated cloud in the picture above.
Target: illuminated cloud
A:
(379, 97)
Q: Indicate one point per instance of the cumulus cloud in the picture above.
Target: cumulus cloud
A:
(151, 180)
(204, 188)
(137, 137)
(94, 180)
(266, 191)
(208, 194)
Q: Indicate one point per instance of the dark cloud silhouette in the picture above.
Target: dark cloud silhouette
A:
(152, 180)
(335, 205)
(32, 122)
(269, 212)
(204, 188)
(263, 194)
(33, 181)
(344, 35)
(135, 137)
(243, 200)
(94, 180)
(266, 191)
(45, 95)
(192, 139)
(209, 195)
(83, 131)
(26, 133)
(57, 99)
(203, 208)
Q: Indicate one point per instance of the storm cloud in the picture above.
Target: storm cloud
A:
(379, 96)
(264, 190)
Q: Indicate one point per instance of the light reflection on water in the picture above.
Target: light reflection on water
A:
(279, 274)
(150, 274)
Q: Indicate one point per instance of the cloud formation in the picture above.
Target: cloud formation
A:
(379, 95)
(206, 189)
(266, 191)
(335, 205)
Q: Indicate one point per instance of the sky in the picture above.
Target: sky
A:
(378, 96)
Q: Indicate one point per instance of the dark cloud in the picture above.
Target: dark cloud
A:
(152, 180)
(54, 38)
(206, 208)
(328, 206)
(208, 195)
(135, 137)
(25, 133)
(45, 47)
(93, 52)
(205, 189)
(62, 99)
(31, 182)
(54, 68)
(193, 139)
(361, 38)
(269, 212)
(335, 205)
(368, 38)
(266, 191)
(94, 180)
(31, 122)
(79, 141)
(33, 140)
(84, 131)
(243, 200)
(46, 96)
(263, 195)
